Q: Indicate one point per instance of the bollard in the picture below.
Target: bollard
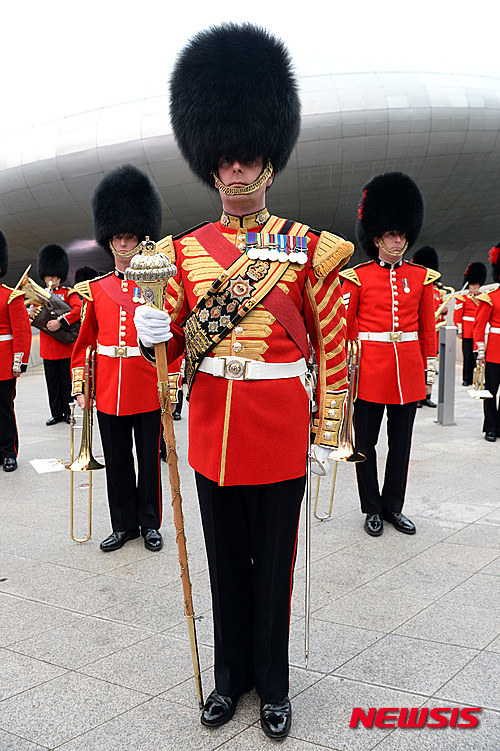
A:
(447, 367)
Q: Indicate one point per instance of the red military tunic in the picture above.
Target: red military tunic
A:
(395, 301)
(125, 385)
(257, 432)
(15, 331)
(465, 313)
(488, 311)
(51, 348)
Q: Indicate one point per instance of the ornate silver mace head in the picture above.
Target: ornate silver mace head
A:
(151, 271)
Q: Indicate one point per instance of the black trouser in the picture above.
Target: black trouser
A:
(251, 539)
(58, 380)
(469, 360)
(491, 423)
(9, 439)
(367, 421)
(133, 502)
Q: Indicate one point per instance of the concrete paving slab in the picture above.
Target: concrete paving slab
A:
(478, 683)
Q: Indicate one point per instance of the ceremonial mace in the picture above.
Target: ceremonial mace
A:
(150, 271)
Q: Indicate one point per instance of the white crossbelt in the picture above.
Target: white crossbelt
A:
(388, 336)
(468, 318)
(6, 337)
(117, 351)
(494, 330)
(242, 369)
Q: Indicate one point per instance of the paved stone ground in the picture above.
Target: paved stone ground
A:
(94, 651)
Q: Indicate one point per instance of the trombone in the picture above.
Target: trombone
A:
(346, 452)
(84, 462)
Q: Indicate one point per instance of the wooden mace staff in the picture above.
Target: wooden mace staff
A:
(150, 271)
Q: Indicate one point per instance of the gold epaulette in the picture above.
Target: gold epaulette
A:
(485, 297)
(351, 275)
(431, 276)
(330, 252)
(460, 298)
(83, 289)
(166, 245)
(15, 293)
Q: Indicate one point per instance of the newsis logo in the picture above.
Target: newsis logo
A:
(415, 717)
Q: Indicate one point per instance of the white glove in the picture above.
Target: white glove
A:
(153, 325)
(319, 460)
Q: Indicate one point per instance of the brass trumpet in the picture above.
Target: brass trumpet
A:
(478, 391)
(442, 305)
(84, 462)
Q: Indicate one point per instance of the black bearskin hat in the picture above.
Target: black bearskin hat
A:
(85, 272)
(475, 273)
(126, 201)
(427, 256)
(53, 261)
(390, 202)
(4, 254)
(233, 93)
(494, 256)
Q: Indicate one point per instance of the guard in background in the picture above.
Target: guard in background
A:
(248, 289)
(390, 309)
(126, 208)
(488, 312)
(15, 345)
(428, 257)
(53, 267)
(466, 306)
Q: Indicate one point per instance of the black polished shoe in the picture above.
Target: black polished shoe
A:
(152, 539)
(176, 415)
(489, 436)
(117, 540)
(401, 523)
(276, 719)
(218, 709)
(67, 419)
(373, 525)
(427, 402)
(54, 420)
(466, 383)
(9, 464)
(419, 403)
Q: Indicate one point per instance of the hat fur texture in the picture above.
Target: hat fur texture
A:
(475, 273)
(390, 202)
(126, 201)
(53, 261)
(233, 94)
(427, 256)
(4, 254)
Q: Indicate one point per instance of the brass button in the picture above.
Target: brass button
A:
(238, 330)
(331, 413)
(329, 424)
(237, 346)
(327, 436)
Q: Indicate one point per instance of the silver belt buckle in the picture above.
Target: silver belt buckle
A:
(395, 336)
(235, 368)
(121, 351)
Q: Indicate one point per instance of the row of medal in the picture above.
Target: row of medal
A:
(281, 248)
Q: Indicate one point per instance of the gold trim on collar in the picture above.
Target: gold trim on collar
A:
(250, 221)
(264, 176)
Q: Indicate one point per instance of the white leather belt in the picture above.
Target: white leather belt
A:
(388, 336)
(116, 351)
(468, 318)
(6, 337)
(242, 369)
(494, 330)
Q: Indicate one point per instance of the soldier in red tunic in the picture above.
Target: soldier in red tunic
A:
(53, 267)
(488, 312)
(390, 309)
(249, 290)
(15, 345)
(466, 306)
(127, 208)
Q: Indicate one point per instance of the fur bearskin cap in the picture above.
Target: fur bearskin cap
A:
(4, 254)
(53, 261)
(427, 256)
(126, 201)
(233, 93)
(85, 272)
(494, 256)
(391, 201)
(475, 273)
